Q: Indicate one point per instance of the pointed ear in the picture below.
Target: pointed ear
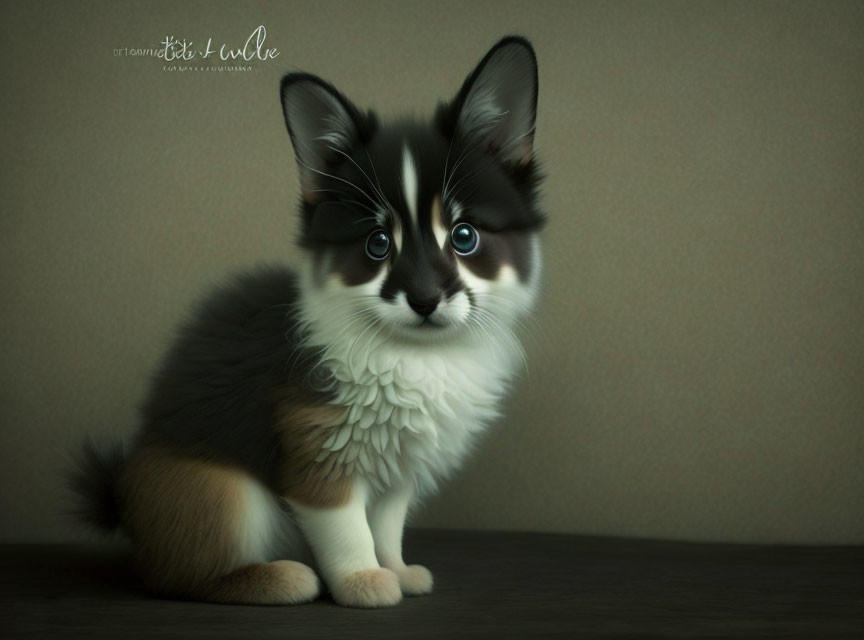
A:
(497, 104)
(321, 122)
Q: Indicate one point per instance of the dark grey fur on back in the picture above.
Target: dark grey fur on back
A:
(217, 388)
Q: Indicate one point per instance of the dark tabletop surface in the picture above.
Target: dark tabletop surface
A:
(488, 584)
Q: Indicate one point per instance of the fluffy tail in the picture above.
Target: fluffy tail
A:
(93, 479)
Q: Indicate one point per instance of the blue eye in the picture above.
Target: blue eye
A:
(464, 239)
(378, 244)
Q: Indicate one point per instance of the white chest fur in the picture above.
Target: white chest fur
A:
(413, 409)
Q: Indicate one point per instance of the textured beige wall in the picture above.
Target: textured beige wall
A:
(697, 368)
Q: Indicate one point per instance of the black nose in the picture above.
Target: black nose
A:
(424, 307)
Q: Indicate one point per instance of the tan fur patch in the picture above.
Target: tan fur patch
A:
(437, 220)
(437, 213)
(183, 516)
(304, 429)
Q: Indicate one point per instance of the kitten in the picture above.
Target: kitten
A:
(299, 415)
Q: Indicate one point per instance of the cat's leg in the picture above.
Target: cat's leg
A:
(387, 521)
(344, 549)
(208, 531)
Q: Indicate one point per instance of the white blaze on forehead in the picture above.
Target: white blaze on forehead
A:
(409, 183)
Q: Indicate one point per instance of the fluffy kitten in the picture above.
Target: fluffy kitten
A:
(299, 415)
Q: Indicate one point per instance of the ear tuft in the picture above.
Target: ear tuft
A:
(497, 104)
(321, 122)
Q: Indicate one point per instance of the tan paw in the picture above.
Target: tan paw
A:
(368, 589)
(270, 583)
(299, 582)
(415, 580)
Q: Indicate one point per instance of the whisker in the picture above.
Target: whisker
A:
(365, 175)
(330, 175)
(462, 158)
(377, 212)
(380, 188)
(446, 162)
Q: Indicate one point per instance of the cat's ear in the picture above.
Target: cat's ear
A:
(322, 124)
(497, 104)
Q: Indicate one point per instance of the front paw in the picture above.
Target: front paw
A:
(367, 589)
(415, 580)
